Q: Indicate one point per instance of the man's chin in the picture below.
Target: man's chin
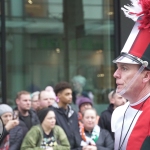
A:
(27, 109)
(69, 102)
(119, 91)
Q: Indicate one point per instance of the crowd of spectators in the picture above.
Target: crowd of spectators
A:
(46, 120)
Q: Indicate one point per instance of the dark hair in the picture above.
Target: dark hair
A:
(62, 86)
(43, 113)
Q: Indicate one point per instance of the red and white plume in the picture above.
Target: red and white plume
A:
(132, 11)
(145, 21)
(136, 9)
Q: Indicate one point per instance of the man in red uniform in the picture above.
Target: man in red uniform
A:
(131, 122)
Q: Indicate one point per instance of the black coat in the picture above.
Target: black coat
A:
(105, 141)
(17, 134)
(69, 123)
(105, 119)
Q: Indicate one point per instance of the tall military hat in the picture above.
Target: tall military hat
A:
(137, 47)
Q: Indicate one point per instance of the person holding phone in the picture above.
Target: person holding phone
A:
(27, 118)
(6, 114)
(15, 114)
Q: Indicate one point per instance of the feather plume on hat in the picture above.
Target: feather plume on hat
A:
(137, 47)
(136, 9)
(132, 11)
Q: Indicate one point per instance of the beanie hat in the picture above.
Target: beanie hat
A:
(42, 113)
(51, 92)
(137, 47)
(4, 108)
(83, 100)
(48, 88)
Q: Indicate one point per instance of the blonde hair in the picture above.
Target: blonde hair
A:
(93, 109)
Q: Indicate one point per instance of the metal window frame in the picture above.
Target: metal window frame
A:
(3, 53)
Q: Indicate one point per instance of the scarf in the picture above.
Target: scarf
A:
(89, 140)
(5, 143)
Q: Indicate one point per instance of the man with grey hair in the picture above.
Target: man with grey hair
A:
(115, 100)
(35, 101)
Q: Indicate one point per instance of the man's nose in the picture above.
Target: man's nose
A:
(29, 102)
(70, 96)
(116, 74)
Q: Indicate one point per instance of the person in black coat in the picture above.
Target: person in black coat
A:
(105, 117)
(66, 117)
(27, 119)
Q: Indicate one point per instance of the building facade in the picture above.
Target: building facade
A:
(48, 41)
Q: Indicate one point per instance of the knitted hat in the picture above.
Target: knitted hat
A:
(42, 113)
(48, 88)
(51, 92)
(83, 100)
(4, 108)
(137, 47)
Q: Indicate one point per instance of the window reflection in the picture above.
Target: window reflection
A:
(43, 8)
(56, 40)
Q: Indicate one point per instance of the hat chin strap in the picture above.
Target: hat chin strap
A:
(132, 80)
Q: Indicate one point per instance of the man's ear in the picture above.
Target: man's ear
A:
(59, 95)
(17, 101)
(146, 76)
(112, 101)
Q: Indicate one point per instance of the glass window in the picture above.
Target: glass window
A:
(49, 41)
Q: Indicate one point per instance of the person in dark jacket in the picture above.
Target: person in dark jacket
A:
(66, 117)
(7, 123)
(105, 119)
(27, 119)
(94, 137)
